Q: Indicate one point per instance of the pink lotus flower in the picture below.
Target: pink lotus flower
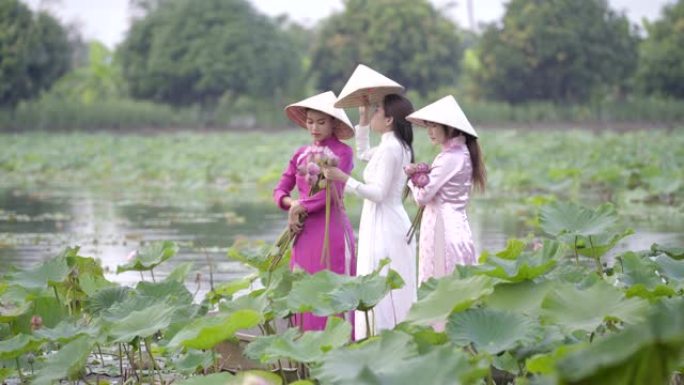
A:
(332, 161)
(410, 169)
(311, 179)
(422, 167)
(132, 255)
(420, 179)
(313, 169)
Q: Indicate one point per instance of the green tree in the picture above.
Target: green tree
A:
(185, 52)
(562, 50)
(661, 61)
(407, 40)
(34, 52)
(98, 79)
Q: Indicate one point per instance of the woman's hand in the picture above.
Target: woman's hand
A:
(335, 174)
(296, 216)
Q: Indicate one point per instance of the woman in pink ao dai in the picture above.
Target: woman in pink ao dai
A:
(445, 236)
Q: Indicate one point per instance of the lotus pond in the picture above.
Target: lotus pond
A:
(185, 220)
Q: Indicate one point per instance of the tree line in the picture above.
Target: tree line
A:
(214, 52)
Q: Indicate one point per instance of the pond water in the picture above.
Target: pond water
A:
(37, 223)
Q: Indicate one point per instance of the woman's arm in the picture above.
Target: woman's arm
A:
(287, 182)
(378, 189)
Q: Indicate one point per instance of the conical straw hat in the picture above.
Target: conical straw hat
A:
(445, 111)
(324, 103)
(365, 81)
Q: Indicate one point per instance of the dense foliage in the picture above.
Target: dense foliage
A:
(34, 52)
(184, 52)
(409, 41)
(662, 53)
(560, 50)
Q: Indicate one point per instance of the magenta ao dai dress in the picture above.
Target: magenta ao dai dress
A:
(308, 245)
(445, 237)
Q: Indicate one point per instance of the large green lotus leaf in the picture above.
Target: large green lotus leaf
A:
(18, 345)
(452, 294)
(211, 379)
(304, 347)
(150, 257)
(672, 270)
(66, 363)
(91, 284)
(252, 377)
(180, 272)
(670, 251)
(142, 323)
(491, 331)
(569, 218)
(362, 293)
(256, 301)
(444, 365)
(521, 297)
(254, 257)
(132, 303)
(514, 247)
(646, 353)
(172, 292)
(45, 306)
(578, 309)
(50, 272)
(10, 310)
(193, 360)
(596, 246)
(517, 265)
(106, 298)
(425, 337)
(66, 331)
(546, 363)
(6, 373)
(206, 332)
(310, 294)
(228, 289)
(384, 354)
(640, 278)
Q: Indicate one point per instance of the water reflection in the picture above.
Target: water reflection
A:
(36, 225)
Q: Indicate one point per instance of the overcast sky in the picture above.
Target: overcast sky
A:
(107, 20)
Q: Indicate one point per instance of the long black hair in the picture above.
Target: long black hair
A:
(476, 157)
(398, 107)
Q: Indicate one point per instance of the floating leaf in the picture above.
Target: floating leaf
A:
(491, 331)
(150, 257)
(438, 304)
(586, 309)
(670, 251)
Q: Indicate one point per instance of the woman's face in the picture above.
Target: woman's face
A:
(437, 133)
(378, 121)
(320, 125)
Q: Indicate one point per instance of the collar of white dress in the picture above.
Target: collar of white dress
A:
(387, 136)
